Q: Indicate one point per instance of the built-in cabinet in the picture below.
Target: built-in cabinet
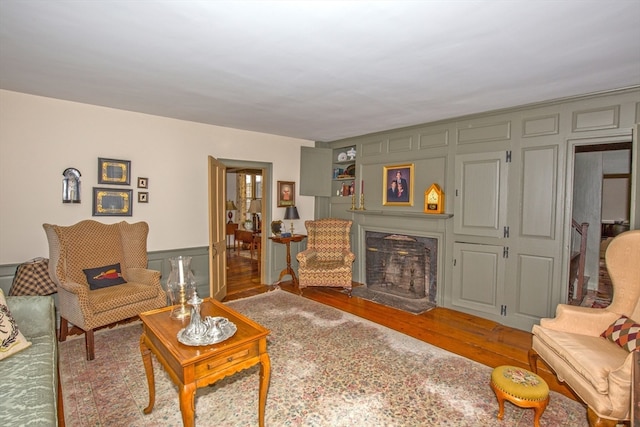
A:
(343, 178)
(508, 181)
(480, 199)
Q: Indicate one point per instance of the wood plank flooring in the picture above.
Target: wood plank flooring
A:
(479, 339)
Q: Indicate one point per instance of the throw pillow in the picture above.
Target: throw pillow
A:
(624, 332)
(11, 339)
(103, 277)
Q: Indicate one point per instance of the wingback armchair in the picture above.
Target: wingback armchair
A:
(597, 369)
(89, 245)
(328, 259)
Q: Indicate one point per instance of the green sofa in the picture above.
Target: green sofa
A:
(30, 391)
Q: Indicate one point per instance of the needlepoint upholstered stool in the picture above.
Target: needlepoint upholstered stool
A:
(522, 388)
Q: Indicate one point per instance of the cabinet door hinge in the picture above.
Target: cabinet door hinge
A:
(506, 231)
(508, 157)
(505, 252)
(503, 310)
(455, 262)
(456, 192)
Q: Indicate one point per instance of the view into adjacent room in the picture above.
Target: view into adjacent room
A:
(601, 210)
(244, 225)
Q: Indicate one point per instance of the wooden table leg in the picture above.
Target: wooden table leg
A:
(288, 270)
(148, 368)
(188, 405)
(265, 377)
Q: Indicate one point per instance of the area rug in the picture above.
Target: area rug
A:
(415, 306)
(329, 368)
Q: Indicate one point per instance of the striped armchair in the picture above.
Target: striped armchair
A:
(90, 245)
(328, 259)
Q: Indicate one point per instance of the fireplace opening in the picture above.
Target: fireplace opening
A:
(402, 267)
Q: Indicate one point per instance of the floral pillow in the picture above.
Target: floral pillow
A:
(624, 332)
(11, 339)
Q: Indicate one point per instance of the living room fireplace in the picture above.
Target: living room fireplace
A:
(402, 266)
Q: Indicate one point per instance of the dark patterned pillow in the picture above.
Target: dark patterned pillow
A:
(11, 339)
(103, 277)
(624, 332)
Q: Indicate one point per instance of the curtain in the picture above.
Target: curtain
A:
(241, 197)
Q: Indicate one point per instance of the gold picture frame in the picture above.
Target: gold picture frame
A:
(394, 192)
(112, 171)
(286, 193)
(110, 202)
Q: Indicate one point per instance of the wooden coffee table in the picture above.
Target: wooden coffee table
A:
(193, 367)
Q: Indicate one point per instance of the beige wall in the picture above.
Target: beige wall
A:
(41, 137)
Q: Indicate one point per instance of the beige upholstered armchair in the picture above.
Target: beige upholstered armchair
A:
(597, 369)
(328, 259)
(101, 274)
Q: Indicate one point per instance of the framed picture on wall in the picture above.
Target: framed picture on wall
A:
(286, 193)
(112, 202)
(112, 171)
(397, 188)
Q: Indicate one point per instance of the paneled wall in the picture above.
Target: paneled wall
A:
(508, 181)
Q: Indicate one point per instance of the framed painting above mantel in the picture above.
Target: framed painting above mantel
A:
(397, 189)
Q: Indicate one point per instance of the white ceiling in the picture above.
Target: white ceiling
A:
(318, 70)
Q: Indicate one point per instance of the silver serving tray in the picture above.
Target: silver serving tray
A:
(228, 329)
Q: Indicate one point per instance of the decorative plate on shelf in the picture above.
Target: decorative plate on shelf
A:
(350, 170)
(342, 157)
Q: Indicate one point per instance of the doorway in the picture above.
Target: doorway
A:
(248, 187)
(602, 177)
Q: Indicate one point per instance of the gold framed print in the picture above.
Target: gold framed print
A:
(112, 171)
(111, 202)
(397, 188)
(286, 193)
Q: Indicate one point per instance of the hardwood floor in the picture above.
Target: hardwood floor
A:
(482, 340)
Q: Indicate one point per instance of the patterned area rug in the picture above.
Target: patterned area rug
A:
(329, 368)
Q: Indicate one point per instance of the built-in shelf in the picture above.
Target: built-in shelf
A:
(400, 213)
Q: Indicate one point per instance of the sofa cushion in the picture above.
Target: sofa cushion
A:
(624, 332)
(11, 339)
(103, 277)
(592, 358)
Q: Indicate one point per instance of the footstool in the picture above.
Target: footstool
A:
(520, 387)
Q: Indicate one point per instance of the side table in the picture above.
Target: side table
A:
(231, 229)
(193, 367)
(287, 241)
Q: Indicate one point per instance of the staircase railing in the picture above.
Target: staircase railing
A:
(577, 283)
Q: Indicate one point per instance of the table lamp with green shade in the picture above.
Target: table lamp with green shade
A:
(255, 208)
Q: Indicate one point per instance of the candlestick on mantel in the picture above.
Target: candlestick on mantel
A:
(362, 187)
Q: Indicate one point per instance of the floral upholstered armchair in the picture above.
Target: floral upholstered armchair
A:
(328, 259)
(101, 274)
(591, 349)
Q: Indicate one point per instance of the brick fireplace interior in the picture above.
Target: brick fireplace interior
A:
(402, 266)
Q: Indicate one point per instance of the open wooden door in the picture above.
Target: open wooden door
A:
(635, 177)
(217, 231)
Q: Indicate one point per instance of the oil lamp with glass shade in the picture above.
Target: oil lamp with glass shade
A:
(181, 286)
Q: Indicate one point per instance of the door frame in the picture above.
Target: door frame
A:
(267, 191)
(623, 136)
